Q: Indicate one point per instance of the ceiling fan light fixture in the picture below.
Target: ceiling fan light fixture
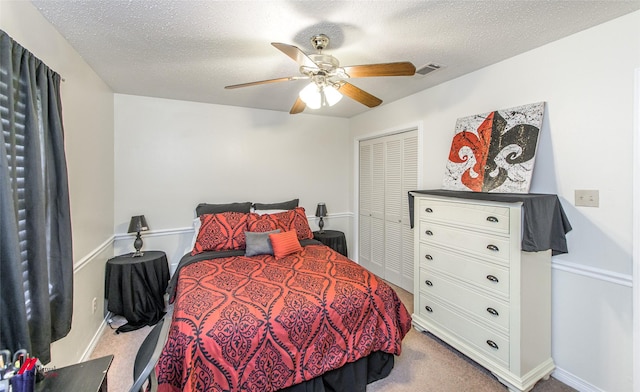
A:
(332, 95)
(311, 96)
(315, 95)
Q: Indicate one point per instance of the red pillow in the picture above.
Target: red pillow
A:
(285, 243)
(295, 219)
(266, 222)
(222, 231)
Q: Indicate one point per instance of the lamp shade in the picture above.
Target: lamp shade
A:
(332, 95)
(311, 96)
(138, 223)
(321, 210)
(317, 95)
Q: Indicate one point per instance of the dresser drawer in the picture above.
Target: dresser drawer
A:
(482, 217)
(480, 306)
(485, 245)
(489, 342)
(488, 276)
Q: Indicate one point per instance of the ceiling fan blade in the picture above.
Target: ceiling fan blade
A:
(403, 68)
(286, 79)
(298, 106)
(359, 95)
(296, 54)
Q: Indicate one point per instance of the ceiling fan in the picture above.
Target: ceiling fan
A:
(328, 78)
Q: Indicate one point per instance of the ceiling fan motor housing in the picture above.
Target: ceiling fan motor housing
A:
(325, 62)
(320, 41)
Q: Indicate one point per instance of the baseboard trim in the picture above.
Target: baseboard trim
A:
(574, 382)
(592, 272)
(96, 338)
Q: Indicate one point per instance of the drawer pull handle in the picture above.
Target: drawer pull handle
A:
(492, 344)
(492, 219)
(428, 257)
(428, 309)
(493, 311)
(428, 232)
(428, 283)
(429, 210)
(493, 248)
(492, 278)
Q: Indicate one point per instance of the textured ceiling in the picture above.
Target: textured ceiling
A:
(190, 49)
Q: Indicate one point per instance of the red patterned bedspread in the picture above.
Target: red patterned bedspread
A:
(261, 324)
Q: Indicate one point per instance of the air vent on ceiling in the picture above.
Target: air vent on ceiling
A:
(428, 68)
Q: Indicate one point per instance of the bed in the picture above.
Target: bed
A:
(291, 315)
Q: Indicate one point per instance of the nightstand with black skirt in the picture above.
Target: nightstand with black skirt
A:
(334, 239)
(135, 286)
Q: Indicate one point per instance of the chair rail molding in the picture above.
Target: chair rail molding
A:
(593, 272)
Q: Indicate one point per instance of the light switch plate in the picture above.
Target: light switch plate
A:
(587, 198)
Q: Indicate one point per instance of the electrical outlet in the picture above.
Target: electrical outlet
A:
(94, 305)
(587, 198)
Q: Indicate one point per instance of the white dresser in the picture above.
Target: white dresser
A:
(476, 290)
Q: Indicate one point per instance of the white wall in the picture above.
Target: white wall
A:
(171, 155)
(88, 121)
(586, 143)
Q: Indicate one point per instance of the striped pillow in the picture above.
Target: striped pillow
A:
(285, 243)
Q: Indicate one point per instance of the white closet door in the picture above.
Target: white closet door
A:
(393, 210)
(401, 167)
(376, 261)
(388, 171)
(364, 218)
(409, 183)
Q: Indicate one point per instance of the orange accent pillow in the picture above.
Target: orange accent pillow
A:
(285, 243)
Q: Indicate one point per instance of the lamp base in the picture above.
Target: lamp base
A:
(321, 225)
(137, 244)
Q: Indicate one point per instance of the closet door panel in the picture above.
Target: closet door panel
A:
(364, 205)
(377, 180)
(407, 271)
(409, 175)
(393, 252)
(393, 181)
(409, 183)
(388, 171)
(365, 181)
(376, 262)
(364, 243)
(392, 209)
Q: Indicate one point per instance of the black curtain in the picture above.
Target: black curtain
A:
(36, 258)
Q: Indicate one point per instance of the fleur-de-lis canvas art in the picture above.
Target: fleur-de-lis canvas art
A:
(495, 152)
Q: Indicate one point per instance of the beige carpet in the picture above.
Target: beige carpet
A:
(426, 364)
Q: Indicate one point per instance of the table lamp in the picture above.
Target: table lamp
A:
(321, 212)
(138, 223)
